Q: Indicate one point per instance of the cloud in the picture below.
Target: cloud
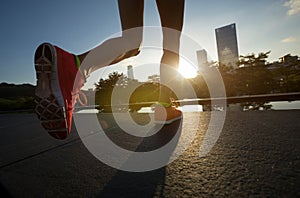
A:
(288, 40)
(294, 7)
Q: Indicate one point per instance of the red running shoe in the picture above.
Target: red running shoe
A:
(166, 113)
(57, 88)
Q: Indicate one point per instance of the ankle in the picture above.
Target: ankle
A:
(171, 103)
(164, 104)
(78, 60)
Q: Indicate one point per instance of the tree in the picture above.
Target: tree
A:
(124, 91)
(229, 78)
(253, 75)
(200, 86)
(252, 60)
(104, 89)
(287, 74)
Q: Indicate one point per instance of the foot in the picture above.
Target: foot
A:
(57, 89)
(166, 113)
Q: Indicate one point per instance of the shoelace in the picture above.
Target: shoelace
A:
(78, 99)
(78, 95)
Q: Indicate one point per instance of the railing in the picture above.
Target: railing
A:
(206, 101)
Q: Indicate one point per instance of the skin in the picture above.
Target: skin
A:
(131, 15)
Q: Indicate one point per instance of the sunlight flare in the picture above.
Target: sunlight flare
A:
(186, 69)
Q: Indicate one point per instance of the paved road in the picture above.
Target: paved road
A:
(257, 154)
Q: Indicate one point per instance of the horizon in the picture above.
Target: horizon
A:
(104, 75)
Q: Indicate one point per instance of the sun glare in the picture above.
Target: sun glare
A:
(186, 69)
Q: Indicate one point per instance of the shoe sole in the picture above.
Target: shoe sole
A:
(49, 101)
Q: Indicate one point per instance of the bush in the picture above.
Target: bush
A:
(22, 103)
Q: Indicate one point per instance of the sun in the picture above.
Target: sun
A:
(186, 69)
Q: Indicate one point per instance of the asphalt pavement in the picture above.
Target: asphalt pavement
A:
(257, 154)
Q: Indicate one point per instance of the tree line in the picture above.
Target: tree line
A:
(16, 97)
(252, 76)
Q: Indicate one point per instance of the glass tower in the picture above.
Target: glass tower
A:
(227, 45)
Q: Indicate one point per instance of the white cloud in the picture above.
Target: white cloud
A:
(294, 7)
(288, 40)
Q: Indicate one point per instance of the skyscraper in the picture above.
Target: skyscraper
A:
(130, 72)
(227, 45)
(202, 58)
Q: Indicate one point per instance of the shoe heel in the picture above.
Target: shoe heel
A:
(49, 111)
(43, 66)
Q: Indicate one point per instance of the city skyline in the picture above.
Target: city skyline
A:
(80, 26)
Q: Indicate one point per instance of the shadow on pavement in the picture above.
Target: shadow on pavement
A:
(142, 184)
(4, 192)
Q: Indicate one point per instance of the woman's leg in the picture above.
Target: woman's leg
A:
(171, 16)
(116, 49)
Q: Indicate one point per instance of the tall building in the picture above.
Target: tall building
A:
(202, 58)
(227, 45)
(130, 72)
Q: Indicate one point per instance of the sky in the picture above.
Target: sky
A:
(78, 26)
